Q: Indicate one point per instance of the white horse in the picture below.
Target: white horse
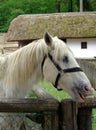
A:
(48, 58)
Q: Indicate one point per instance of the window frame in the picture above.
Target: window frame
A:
(84, 45)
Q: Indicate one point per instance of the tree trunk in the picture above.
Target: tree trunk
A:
(70, 8)
(57, 5)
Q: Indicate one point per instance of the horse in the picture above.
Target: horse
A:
(47, 58)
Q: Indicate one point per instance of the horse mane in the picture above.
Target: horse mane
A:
(23, 63)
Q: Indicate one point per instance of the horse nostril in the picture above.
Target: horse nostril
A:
(89, 90)
(86, 88)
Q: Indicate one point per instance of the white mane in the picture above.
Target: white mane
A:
(23, 63)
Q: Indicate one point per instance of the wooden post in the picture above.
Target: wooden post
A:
(68, 119)
(84, 119)
(50, 121)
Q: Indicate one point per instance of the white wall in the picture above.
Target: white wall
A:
(75, 46)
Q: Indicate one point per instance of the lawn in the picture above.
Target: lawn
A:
(94, 119)
(53, 91)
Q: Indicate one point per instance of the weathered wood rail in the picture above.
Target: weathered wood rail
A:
(28, 105)
(49, 109)
(67, 115)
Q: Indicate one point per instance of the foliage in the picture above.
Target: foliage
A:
(9, 9)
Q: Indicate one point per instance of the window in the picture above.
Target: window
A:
(83, 45)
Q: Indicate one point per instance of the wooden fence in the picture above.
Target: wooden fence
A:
(67, 115)
(48, 108)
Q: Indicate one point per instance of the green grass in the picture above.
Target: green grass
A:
(59, 95)
(53, 91)
(94, 119)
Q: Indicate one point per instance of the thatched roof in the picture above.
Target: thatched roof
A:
(63, 25)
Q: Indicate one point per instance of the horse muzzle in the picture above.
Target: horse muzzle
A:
(80, 93)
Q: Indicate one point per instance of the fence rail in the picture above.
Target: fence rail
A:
(67, 115)
(48, 109)
(28, 105)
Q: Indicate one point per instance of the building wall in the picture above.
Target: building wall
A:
(75, 46)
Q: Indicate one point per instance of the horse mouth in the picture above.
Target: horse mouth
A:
(81, 97)
(81, 94)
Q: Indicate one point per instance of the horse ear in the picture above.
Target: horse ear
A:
(48, 39)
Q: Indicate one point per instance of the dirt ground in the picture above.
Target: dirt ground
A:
(7, 47)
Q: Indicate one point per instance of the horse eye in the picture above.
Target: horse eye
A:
(65, 59)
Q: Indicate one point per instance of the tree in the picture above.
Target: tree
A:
(88, 5)
(9, 9)
(70, 6)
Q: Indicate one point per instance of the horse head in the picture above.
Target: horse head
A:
(62, 70)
